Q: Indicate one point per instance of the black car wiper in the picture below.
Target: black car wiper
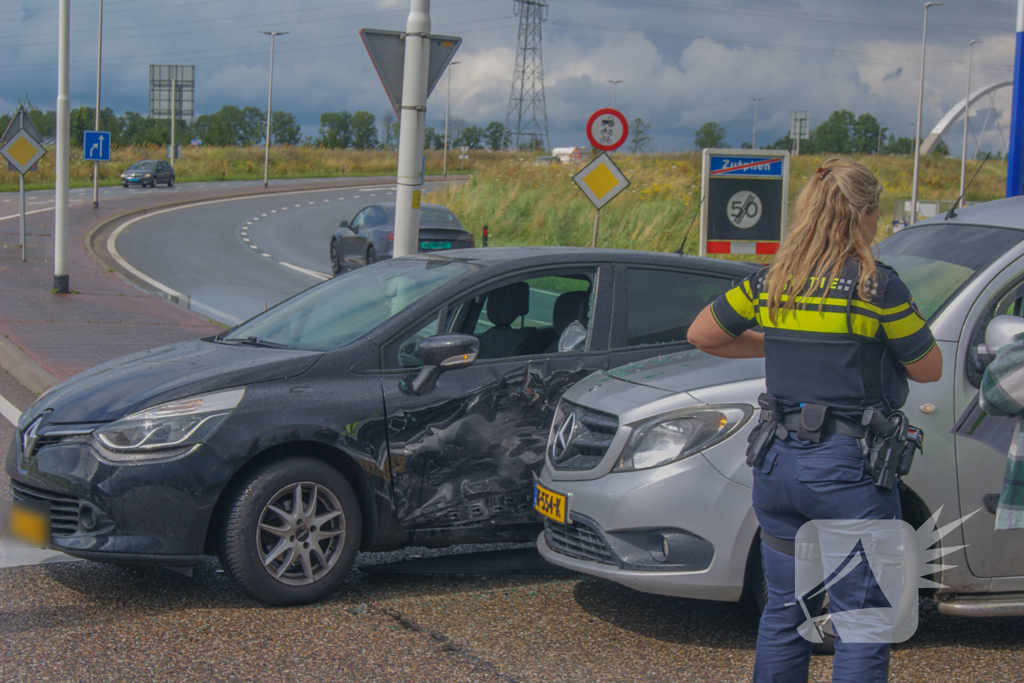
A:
(255, 341)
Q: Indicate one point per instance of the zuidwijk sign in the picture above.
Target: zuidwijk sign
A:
(745, 195)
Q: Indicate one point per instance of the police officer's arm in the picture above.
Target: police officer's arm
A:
(723, 328)
(907, 334)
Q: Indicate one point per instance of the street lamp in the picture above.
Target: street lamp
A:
(614, 83)
(270, 97)
(967, 114)
(753, 144)
(447, 108)
(917, 128)
(96, 164)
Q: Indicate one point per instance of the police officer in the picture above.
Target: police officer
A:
(841, 334)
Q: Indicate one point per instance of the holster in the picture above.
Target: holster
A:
(889, 447)
(812, 422)
(764, 432)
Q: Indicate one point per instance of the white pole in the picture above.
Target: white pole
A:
(614, 83)
(917, 126)
(21, 233)
(753, 144)
(270, 98)
(61, 284)
(447, 107)
(967, 115)
(99, 62)
(413, 118)
(174, 117)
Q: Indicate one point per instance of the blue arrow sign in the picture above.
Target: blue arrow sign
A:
(96, 145)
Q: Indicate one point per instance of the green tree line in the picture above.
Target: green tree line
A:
(843, 132)
(233, 126)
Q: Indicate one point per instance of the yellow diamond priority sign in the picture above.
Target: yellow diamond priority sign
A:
(22, 151)
(601, 180)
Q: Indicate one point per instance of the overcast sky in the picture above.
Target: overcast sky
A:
(683, 63)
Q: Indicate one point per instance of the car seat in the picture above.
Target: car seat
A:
(570, 307)
(504, 305)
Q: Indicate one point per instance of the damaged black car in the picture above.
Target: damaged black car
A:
(406, 403)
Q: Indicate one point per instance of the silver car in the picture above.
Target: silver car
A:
(645, 481)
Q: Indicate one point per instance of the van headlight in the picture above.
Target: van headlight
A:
(167, 430)
(680, 434)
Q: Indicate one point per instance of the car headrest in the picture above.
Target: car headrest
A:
(507, 303)
(570, 307)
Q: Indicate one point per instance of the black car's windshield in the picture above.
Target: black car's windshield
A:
(936, 261)
(438, 216)
(340, 311)
(142, 166)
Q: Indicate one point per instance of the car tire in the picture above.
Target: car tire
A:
(124, 185)
(170, 182)
(335, 261)
(759, 589)
(371, 256)
(262, 532)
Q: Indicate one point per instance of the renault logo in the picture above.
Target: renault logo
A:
(563, 437)
(28, 439)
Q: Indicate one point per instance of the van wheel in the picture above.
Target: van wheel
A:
(335, 261)
(292, 532)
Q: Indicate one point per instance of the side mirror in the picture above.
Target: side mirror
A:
(343, 224)
(440, 353)
(1001, 331)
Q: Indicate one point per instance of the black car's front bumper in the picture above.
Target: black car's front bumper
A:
(155, 513)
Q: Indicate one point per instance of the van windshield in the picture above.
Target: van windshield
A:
(341, 310)
(937, 260)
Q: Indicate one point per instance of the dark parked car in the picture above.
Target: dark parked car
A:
(370, 236)
(148, 172)
(407, 403)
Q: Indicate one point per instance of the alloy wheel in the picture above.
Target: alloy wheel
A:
(301, 533)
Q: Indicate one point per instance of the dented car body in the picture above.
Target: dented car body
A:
(330, 375)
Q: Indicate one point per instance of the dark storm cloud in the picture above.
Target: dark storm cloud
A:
(683, 63)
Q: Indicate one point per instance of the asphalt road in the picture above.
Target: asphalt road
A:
(234, 257)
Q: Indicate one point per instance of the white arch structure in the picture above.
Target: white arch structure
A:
(953, 114)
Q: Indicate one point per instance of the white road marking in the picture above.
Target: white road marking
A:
(255, 218)
(306, 271)
(356, 197)
(263, 214)
(326, 200)
(272, 211)
(8, 410)
(253, 246)
(27, 213)
(311, 203)
(245, 239)
(298, 205)
(267, 255)
(249, 223)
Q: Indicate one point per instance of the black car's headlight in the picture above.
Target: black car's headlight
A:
(148, 175)
(166, 430)
(680, 434)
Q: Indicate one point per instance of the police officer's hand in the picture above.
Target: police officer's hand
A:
(707, 335)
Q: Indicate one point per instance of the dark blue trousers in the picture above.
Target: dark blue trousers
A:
(798, 482)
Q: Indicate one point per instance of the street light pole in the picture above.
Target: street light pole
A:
(967, 115)
(753, 144)
(614, 83)
(917, 127)
(61, 284)
(270, 97)
(447, 107)
(99, 62)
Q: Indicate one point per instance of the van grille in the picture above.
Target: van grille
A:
(582, 438)
(63, 508)
(582, 539)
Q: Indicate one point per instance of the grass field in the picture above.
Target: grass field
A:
(206, 164)
(526, 204)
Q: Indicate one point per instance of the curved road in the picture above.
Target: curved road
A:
(232, 257)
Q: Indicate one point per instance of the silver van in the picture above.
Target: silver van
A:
(645, 482)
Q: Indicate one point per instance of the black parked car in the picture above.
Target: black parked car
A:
(370, 237)
(407, 403)
(148, 172)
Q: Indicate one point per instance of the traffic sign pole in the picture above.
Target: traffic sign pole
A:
(99, 62)
(1015, 158)
(61, 284)
(413, 119)
(21, 233)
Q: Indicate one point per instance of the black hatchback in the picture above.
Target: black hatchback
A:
(406, 403)
(148, 172)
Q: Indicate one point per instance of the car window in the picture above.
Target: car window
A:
(661, 304)
(438, 216)
(360, 219)
(409, 345)
(378, 216)
(142, 166)
(341, 310)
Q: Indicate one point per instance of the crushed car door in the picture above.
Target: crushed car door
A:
(465, 454)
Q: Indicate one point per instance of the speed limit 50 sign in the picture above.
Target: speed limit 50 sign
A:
(745, 195)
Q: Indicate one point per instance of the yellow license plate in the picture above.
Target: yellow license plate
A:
(29, 525)
(549, 503)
